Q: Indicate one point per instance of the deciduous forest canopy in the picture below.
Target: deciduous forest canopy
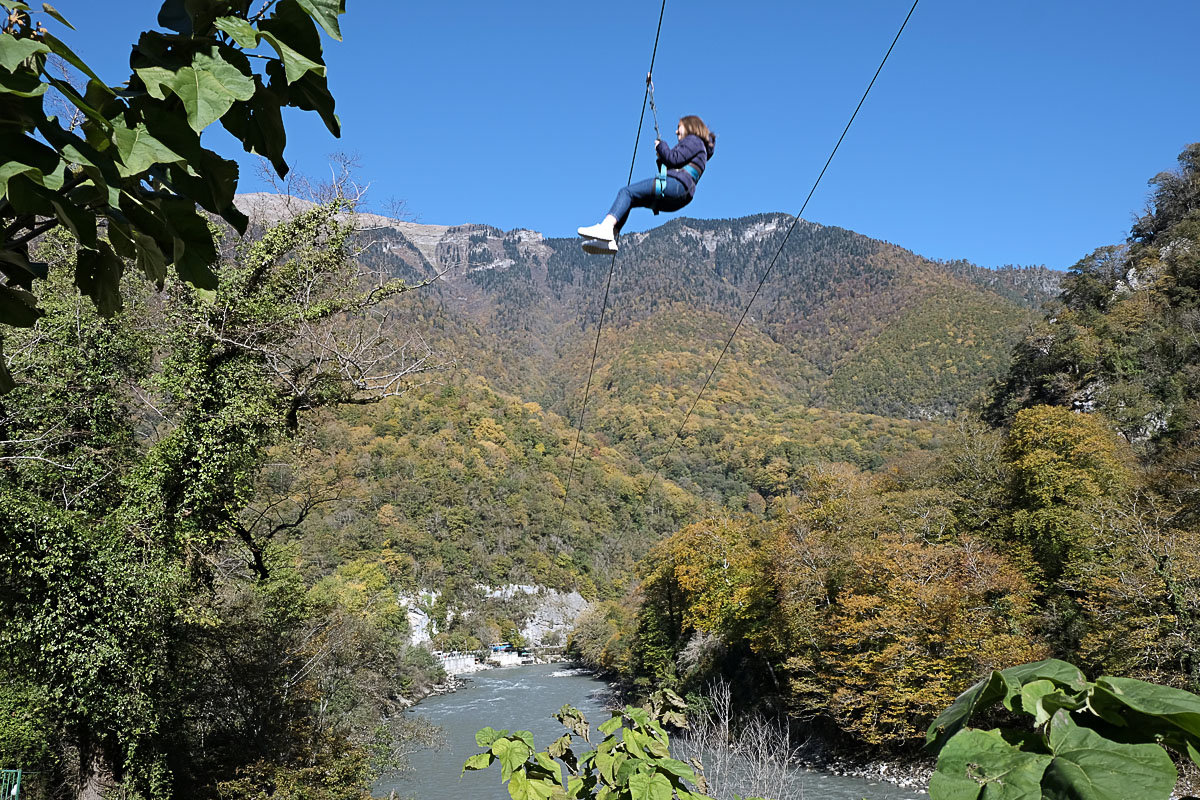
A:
(236, 430)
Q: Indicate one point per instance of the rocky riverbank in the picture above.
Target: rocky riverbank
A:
(905, 774)
(451, 684)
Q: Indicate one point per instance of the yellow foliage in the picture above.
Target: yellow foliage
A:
(913, 626)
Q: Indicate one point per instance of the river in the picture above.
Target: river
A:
(524, 698)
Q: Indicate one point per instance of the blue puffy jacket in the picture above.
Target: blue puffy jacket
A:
(690, 150)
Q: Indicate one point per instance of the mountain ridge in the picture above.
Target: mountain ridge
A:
(844, 308)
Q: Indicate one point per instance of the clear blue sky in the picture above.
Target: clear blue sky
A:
(1001, 132)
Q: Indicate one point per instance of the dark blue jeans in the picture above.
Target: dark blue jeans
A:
(641, 195)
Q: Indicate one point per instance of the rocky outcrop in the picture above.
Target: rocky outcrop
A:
(552, 615)
(546, 615)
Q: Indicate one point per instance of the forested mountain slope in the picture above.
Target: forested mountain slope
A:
(1063, 524)
(837, 307)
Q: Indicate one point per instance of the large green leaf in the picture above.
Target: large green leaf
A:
(522, 787)
(1180, 708)
(139, 150)
(479, 761)
(1086, 766)
(1050, 669)
(258, 124)
(954, 718)
(606, 763)
(634, 742)
(132, 243)
(28, 196)
(52, 11)
(1000, 686)
(611, 725)
(98, 275)
(208, 87)
(649, 786)
(1137, 711)
(1042, 698)
(511, 753)
(242, 32)
(294, 64)
(676, 768)
(18, 307)
(309, 93)
(190, 17)
(15, 263)
(640, 716)
(194, 249)
(203, 176)
(13, 50)
(291, 24)
(173, 15)
(325, 12)
(144, 214)
(22, 84)
(24, 155)
(625, 767)
(546, 762)
(209, 183)
(486, 736)
(981, 765)
(80, 221)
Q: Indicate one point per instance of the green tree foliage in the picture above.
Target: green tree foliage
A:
(1066, 470)
(1113, 531)
(931, 358)
(125, 170)
(1120, 341)
(868, 601)
(601, 637)
(151, 613)
(465, 485)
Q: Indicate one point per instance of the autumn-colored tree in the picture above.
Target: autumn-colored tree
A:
(1065, 467)
(913, 624)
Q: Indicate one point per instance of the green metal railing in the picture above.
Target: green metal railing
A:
(10, 784)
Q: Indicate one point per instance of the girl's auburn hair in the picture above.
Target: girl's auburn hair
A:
(695, 126)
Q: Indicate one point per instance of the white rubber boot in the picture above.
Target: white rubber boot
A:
(602, 230)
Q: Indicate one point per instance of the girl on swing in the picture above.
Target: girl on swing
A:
(685, 164)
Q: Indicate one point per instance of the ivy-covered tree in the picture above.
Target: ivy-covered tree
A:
(147, 614)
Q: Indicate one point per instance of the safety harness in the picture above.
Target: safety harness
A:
(660, 181)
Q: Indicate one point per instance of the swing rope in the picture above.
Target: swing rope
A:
(771, 266)
(648, 95)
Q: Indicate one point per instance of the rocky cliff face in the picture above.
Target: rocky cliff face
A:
(546, 615)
